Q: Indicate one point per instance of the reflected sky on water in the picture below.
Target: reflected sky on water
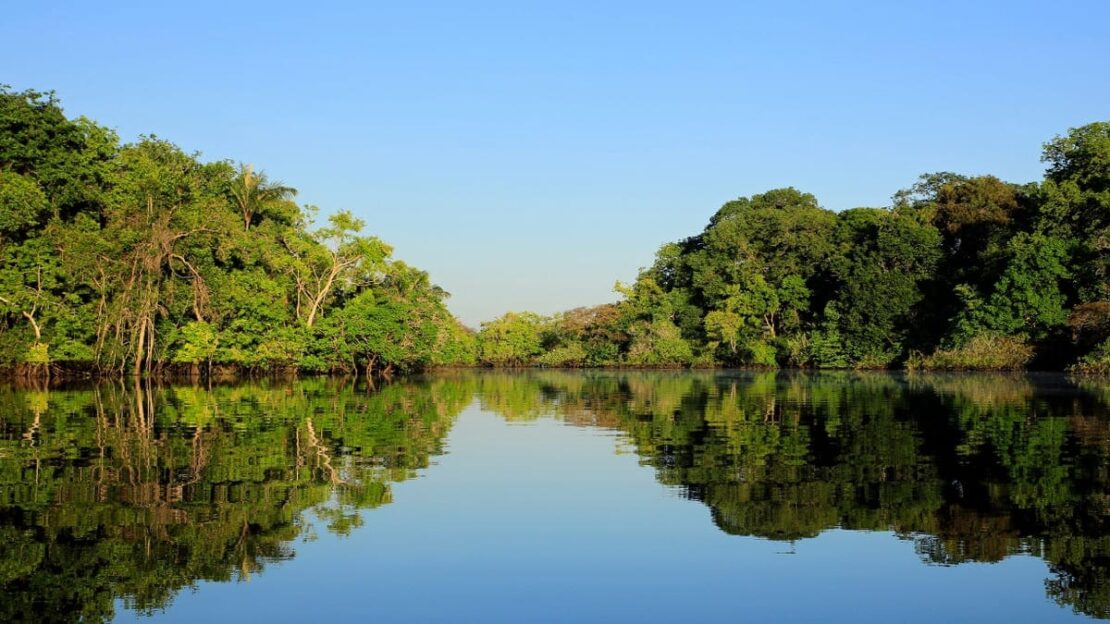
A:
(554, 496)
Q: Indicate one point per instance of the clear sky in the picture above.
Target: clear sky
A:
(530, 154)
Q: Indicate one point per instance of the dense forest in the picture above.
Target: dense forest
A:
(140, 258)
(958, 273)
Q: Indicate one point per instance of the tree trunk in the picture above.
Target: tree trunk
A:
(140, 351)
(34, 325)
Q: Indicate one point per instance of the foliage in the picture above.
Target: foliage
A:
(139, 257)
(982, 352)
(511, 340)
(1028, 299)
(658, 343)
(959, 272)
(1097, 362)
(198, 343)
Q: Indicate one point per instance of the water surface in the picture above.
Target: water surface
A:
(559, 496)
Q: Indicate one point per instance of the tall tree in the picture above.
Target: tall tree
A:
(255, 195)
(330, 258)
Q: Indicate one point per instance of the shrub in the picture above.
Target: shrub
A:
(567, 355)
(759, 353)
(1096, 362)
(198, 343)
(659, 344)
(38, 354)
(876, 360)
(826, 349)
(982, 352)
(797, 349)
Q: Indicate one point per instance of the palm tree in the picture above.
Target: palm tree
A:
(253, 192)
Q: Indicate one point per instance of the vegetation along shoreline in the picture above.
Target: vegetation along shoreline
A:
(141, 259)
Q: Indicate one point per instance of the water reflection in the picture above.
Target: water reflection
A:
(131, 492)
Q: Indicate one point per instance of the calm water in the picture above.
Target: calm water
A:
(549, 496)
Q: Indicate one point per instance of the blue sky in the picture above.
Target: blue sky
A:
(530, 154)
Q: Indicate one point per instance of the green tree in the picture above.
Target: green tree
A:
(143, 258)
(511, 340)
(877, 282)
(332, 256)
(1028, 300)
(256, 196)
(1074, 203)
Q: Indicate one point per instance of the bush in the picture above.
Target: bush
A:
(759, 353)
(875, 361)
(601, 353)
(568, 355)
(796, 348)
(514, 339)
(659, 344)
(198, 343)
(1096, 362)
(826, 349)
(38, 354)
(982, 352)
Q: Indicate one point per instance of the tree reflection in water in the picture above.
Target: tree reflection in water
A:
(135, 492)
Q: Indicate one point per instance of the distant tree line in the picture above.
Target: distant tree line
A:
(958, 273)
(141, 258)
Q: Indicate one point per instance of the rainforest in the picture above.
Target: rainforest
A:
(142, 259)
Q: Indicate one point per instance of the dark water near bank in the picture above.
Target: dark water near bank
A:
(548, 496)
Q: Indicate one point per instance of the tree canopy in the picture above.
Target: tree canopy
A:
(141, 258)
(957, 272)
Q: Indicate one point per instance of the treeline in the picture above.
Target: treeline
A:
(141, 258)
(960, 272)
